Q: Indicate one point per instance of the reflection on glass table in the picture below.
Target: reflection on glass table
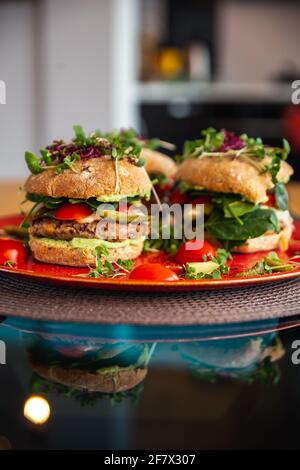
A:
(74, 386)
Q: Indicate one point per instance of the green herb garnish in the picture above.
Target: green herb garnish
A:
(105, 268)
(211, 268)
(68, 163)
(9, 264)
(210, 141)
(269, 264)
(254, 150)
(33, 163)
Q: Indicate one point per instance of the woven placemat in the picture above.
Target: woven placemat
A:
(24, 298)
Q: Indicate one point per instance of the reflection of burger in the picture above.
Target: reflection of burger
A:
(70, 182)
(89, 373)
(248, 359)
(241, 181)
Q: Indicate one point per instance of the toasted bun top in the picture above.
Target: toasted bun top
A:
(227, 174)
(93, 177)
(80, 379)
(156, 162)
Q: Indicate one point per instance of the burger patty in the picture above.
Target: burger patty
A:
(67, 230)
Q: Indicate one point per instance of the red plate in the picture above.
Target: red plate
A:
(51, 273)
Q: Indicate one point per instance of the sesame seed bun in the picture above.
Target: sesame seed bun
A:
(89, 178)
(122, 380)
(64, 254)
(158, 163)
(227, 174)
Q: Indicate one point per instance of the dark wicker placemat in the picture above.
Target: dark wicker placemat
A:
(24, 298)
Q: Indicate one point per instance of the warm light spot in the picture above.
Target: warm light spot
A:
(37, 409)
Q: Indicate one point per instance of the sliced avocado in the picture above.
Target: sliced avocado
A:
(205, 267)
(118, 197)
(91, 243)
(123, 217)
(113, 370)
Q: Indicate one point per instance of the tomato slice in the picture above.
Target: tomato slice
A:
(166, 186)
(194, 250)
(175, 267)
(271, 202)
(70, 211)
(201, 200)
(294, 245)
(153, 272)
(11, 251)
(122, 208)
(178, 198)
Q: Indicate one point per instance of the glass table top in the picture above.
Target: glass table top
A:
(71, 386)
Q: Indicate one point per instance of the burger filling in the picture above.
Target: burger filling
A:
(232, 220)
(86, 223)
(67, 230)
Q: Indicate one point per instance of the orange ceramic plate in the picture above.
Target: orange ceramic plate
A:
(55, 274)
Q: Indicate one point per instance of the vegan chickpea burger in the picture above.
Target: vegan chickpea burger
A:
(241, 181)
(78, 189)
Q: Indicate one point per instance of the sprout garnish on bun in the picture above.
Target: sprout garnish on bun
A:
(69, 181)
(241, 181)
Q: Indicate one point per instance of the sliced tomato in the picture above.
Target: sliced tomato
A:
(194, 250)
(175, 267)
(75, 352)
(296, 232)
(271, 202)
(153, 272)
(178, 198)
(200, 200)
(294, 245)
(167, 186)
(11, 251)
(70, 211)
(122, 208)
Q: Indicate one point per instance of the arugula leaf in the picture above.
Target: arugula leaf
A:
(255, 224)
(281, 196)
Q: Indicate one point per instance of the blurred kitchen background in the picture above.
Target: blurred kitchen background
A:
(167, 67)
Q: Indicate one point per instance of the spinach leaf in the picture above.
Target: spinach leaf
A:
(255, 224)
(233, 206)
(281, 196)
